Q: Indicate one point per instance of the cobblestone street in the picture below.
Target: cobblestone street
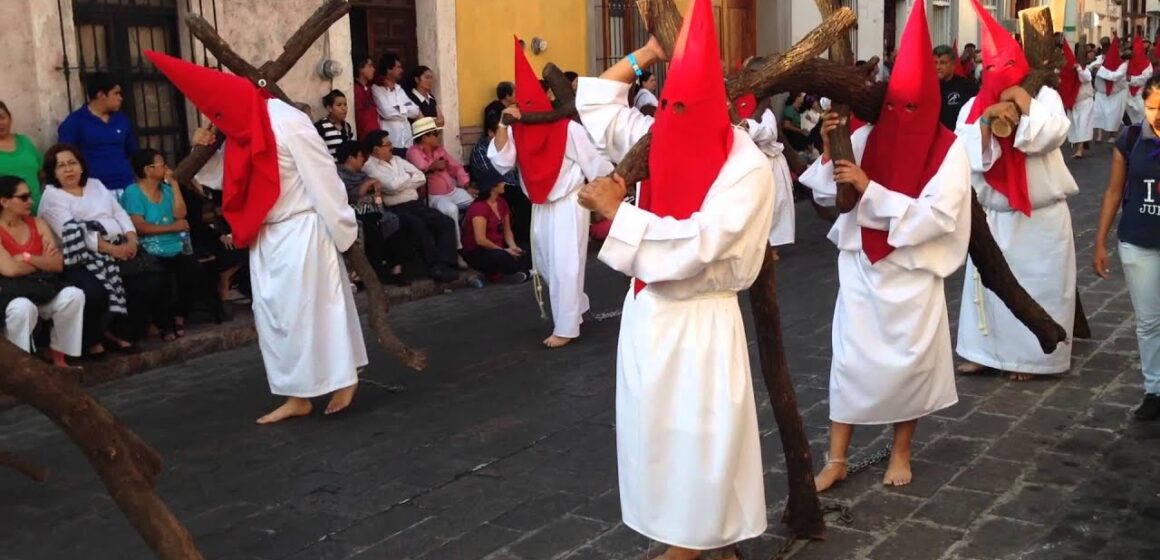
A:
(504, 450)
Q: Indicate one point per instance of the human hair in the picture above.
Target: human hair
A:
(1152, 85)
(373, 140)
(329, 99)
(504, 89)
(491, 119)
(4, 108)
(360, 59)
(49, 167)
(8, 185)
(386, 62)
(571, 76)
(969, 46)
(346, 150)
(645, 75)
(98, 83)
(141, 159)
(416, 73)
(944, 50)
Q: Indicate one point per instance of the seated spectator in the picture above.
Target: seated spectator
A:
(483, 171)
(103, 133)
(791, 123)
(28, 251)
(488, 243)
(19, 157)
(384, 247)
(400, 183)
(645, 97)
(333, 127)
(98, 241)
(213, 239)
(159, 214)
(447, 180)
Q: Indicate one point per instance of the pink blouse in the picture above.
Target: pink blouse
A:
(440, 182)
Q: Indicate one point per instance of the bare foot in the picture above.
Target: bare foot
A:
(1015, 376)
(832, 473)
(292, 407)
(898, 471)
(968, 368)
(341, 399)
(554, 342)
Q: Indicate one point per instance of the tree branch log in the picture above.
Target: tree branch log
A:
(221, 50)
(565, 100)
(325, 16)
(380, 306)
(841, 145)
(125, 463)
(33, 471)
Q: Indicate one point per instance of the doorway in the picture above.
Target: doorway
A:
(382, 26)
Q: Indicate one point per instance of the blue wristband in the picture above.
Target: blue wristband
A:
(635, 66)
(985, 121)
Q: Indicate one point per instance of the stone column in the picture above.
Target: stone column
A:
(437, 50)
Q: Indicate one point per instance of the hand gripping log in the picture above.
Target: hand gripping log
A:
(266, 77)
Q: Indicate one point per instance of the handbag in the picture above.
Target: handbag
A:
(38, 287)
(141, 263)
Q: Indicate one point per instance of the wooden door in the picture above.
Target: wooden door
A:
(382, 26)
(739, 26)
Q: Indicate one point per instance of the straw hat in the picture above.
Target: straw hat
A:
(423, 126)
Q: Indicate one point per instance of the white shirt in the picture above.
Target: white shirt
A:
(645, 98)
(395, 110)
(96, 203)
(400, 179)
(212, 174)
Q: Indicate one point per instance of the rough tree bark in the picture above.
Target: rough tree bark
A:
(124, 462)
(266, 77)
(841, 145)
(565, 100)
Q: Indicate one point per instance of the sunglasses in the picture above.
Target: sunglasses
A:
(23, 197)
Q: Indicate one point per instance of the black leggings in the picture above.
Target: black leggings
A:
(147, 296)
(191, 280)
(498, 261)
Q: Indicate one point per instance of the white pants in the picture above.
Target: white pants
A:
(449, 205)
(559, 251)
(66, 311)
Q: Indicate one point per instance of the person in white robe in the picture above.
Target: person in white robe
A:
(764, 135)
(688, 450)
(308, 328)
(1135, 105)
(1029, 219)
(1082, 113)
(892, 358)
(1110, 107)
(559, 226)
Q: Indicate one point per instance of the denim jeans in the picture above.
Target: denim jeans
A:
(1142, 271)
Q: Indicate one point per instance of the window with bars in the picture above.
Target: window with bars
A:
(940, 22)
(112, 36)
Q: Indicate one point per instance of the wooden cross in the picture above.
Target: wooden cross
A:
(266, 76)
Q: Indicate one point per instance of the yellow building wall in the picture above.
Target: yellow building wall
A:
(484, 30)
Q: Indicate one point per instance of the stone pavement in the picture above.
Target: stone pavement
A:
(503, 450)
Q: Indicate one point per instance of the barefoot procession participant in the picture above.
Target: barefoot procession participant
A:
(284, 199)
(1023, 184)
(892, 361)
(555, 160)
(687, 444)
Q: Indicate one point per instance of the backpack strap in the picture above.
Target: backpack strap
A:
(1133, 137)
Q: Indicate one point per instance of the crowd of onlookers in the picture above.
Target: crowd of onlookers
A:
(99, 240)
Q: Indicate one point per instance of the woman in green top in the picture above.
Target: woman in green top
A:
(19, 157)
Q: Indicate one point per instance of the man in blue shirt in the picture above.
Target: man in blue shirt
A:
(103, 133)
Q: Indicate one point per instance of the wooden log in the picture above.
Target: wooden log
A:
(996, 275)
(663, 21)
(803, 514)
(318, 23)
(565, 100)
(842, 84)
(379, 307)
(121, 459)
(758, 80)
(1080, 328)
(841, 145)
(33, 471)
(221, 50)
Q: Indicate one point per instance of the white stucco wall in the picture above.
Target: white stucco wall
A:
(437, 49)
(33, 84)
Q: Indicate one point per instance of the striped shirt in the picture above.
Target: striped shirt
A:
(332, 135)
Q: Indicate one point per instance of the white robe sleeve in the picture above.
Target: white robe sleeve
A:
(603, 108)
(1085, 75)
(1139, 81)
(980, 157)
(763, 132)
(1111, 76)
(655, 249)
(819, 178)
(1045, 128)
(503, 160)
(915, 221)
(580, 150)
(321, 182)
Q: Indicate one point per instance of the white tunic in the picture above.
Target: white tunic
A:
(764, 134)
(308, 328)
(1136, 102)
(560, 226)
(1110, 108)
(1082, 113)
(688, 450)
(1040, 248)
(891, 334)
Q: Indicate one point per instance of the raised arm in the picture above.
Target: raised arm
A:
(1044, 125)
(613, 126)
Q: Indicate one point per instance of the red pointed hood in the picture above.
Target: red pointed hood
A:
(1068, 77)
(909, 117)
(692, 134)
(1139, 62)
(1004, 66)
(251, 182)
(539, 147)
(1112, 62)
(960, 69)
